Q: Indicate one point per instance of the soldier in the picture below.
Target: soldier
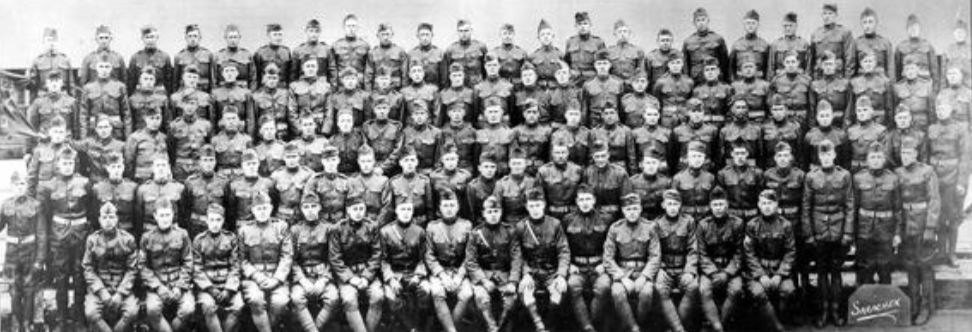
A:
(575, 135)
(105, 96)
(863, 133)
(55, 102)
(110, 266)
(354, 253)
(751, 44)
(22, 220)
(656, 63)
(652, 136)
(586, 230)
(694, 182)
(461, 134)
(950, 148)
(582, 48)
(559, 180)
(383, 134)
(65, 200)
(608, 181)
(348, 140)
(650, 183)
(631, 259)
(835, 38)
(457, 93)
(309, 91)
(957, 95)
(349, 95)
(371, 180)
(386, 55)
(332, 187)
(836, 90)
(88, 71)
(189, 91)
(678, 242)
(445, 255)
(244, 190)
(198, 56)
(429, 55)
(384, 92)
(702, 44)
(826, 131)
(97, 148)
(512, 188)
(495, 136)
(563, 94)
(451, 177)
(311, 275)
(273, 52)
(787, 180)
(148, 95)
(922, 49)
(920, 208)
(229, 144)
(311, 143)
(117, 190)
(403, 272)
(547, 58)
(150, 56)
(782, 127)
(426, 140)
(915, 93)
(618, 137)
(546, 256)
(482, 186)
(794, 87)
(205, 187)
(534, 137)
(720, 247)
(313, 48)
(714, 94)
(875, 86)
(467, 52)
(601, 91)
(493, 262)
(288, 184)
(674, 90)
(742, 181)
(266, 257)
(236, 56)
(216, 272)
(166, 271)
(493, 87)
(871, 42)
(418, 91)
(145, 144)
(42, 162)
(958, 52)
(189, 133)
(828, 224)
(903, 127)
(743, 131)
(269, 149)
(751, 89)
(231, 93)
(528, 93)
(409, 184)
(626, 59)
(349, 51)
(152, 192)
(878, 214)
(51, 60)
(769, 248)
(637, 100)
(789, 42)
(511, 56)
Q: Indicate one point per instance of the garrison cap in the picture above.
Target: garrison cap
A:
(640, 73)
(694, 104)
(581, 17)
(462, 22)
(349, 71)
(424, 26)
(631, 199)
(620, 24)
(215, 208)
(261, 198)
(517, 153)
(528, 66)
(231, 28)
(700, 12)
(365, 150)
(672, 194)
(114, 157)
(190, 69)
(507, 27)
(487, 157)
(406, 199)
(909, 143)
(384, 27)
(868, 12)
(164, 204)
(653, 153)
(696, 146)
(769, 194)
(902, 108)
(543, 25)
(147, 29)
(57, 121)
(912, 20)
(207, 151)
(274, 27)
(493, 101)
(790, 17)
(310, 197)
(830, 6)
(446, 194)
(273, 69)
(449, 148)
(54, 75)
(151, 111)
(107, 208)
(584, 188)
(718, 194)
(407, 151)
(863, 101)
(751, 15)
(599, 146)
(530, 105)
(67, 153)
(912, 59)
(782, 146)
(710, 61)
(382, 101)
(491, 202)
(534, 194)
(777, 100)
(602, 55)
(875, 147)
(456, 67)
(419, 106)
(291, 147)
(825, 146)
(824, 105)
(192, 27)
(354, 200)
(102, 29)
(329, 151)
(313, 24)
(249, 155)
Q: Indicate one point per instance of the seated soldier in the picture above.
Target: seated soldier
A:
(770, 251)
(311, 276)
(444, 255)
(110, 266)
(216, 272)
(355, 255)
(403, 269)
(546, 256)
(267, 253)
(165, 271)
(632, 256)
(494, 263)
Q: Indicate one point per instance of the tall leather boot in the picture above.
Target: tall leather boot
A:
(671, 314)
(304, 319)
(927, 295)
(485, 307)
(353, 316)
(327, 307)
(836, 288)
(531, 307)
(579, 306)
(508, 302)
(622, 307)
(823, 281)
(769, 313)
(710, 310)
(443, 313)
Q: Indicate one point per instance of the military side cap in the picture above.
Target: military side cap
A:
(868, 12)
(530, 105)
(710, 61)
(543, 25)
(207, 151)
(751, 15)
(274, 27)
(491, 202)
(353, 200)
(790, 17)
(57, 121)
(249, 155)
(507, 27)
(777, 100)
(313, 24)
(782, 146)
(291, 147)
(191, 28)
(424, 26)
(534, 194)
(672, 194)
(149, 70)
(114, 157)
(825, 146)
(694, 104)
(384, 27)
(769, 194)
(455, 67)
(215, 208)
(631, 199)
(747, 59)
(490, 57)
(653, 153)
(603, 55)
(261, 198)
(107, 208)
(913, 59)
(875, 147)
(902, 108)
(527, 66)
(147, 29)
(310, 197)
(419, 106)
(584, 188)
(407, 151)
(830, 6)
(824, 104)
(329, 151)
(581, 17)
(163, 204)
(599, 146)
(863, 101)
(382, 101)
(349, 71)
(696, 146)
(640, 73)
(405, 199)
(231, 28)
(700, 12)
(67, 153)
(718, 194)
(518, 153)
(102, 29)
(493, 101)
(271, 69)
(462, 22)
(449, 148)
(620, 24)
(909, 143)
(190, 69)
(447, 194)
(54, 75)
(365, 150)
(912, 20)
(487, 157)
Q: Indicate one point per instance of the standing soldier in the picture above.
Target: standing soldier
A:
(650, 183)
(354, 253)
(875, 86)
(197, 56)
(627, 59)
(462, 136)
(563, 94)
(493, 87)
(694, 182)
(418, 91)
(386, 56)
(153, 192)
(957, 95)
(652, 137)
(230, 144)
(266, 257)
(511, 56)
(144, 145)
(384, 92)
(105, 96)
(166, 271)
(863, 133)
(559, 180)
(493, 263)
(877, 194)
(313, 48)
(288, 184)
(348, 51)
(827, 131)
(429, 55)
(871, 42)
(770, 249)
(512, 188)
(204, 188)
(349, 95)
(216, 272)
(601, 91)
(332, 187)
(482, 186)
(189, 133)
(702, 44)
(828, 224)
(632, 256)
(547, 58)
(921, 48)
(582, 48)
(110, 266)
(273, 52)
(678, 266)
(96, 149)
(832, 88)
(88, 71)
(949, 141)
(743, 131)
(148, 95)
(720, 241)
(586, 230)
(751, 44)
(714, 94)
(751, 89)
(189, 91)
(958, 53)
(273, 100)
(309, 91)
(236, 56)
(150, 56)
(529, 93)
(495, 137)
(575, 135)
(656, 63)
(117, 190)
(371, 180)
(451, 177)
(920, 208)
(311, 143)
(637, 100)
(51, 60)
(904, 127)
(409, 184)
(348, 140)
(403, 272)
(789, 42)
(445, 252)
(787, 180)
(233, 97)
(781, 127)
(915, 93)
(424, 138)
(23, 222)
(546, 256)
(674, 90)
(55, 102)
(456, 94)
(467, 52)
(794, 88)
(311, 275)
(619, 139)
(742, 182)
(835, 38)
(608, 181)
(244, 189)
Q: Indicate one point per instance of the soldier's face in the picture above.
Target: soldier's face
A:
(740, 110)
(382, 81)
(828, 16)
(146, 80)
(789, 28)
(404, 212)
(562, 75)
(449, 208)
(875, 160)
(275, 37)
(791, 64)
(160, 169)
(652, 115)
(271, 80)
(20, 185)
(250, 168)
(695, 159)
(778, 112)
(536, 208)
(450, 161)
(103, 129)
(457, 78)
(261, 212)
(103, 69)
(869, 24)
(825, 117)
(572, 116)
(291, 160)
(103, 40)
(672, 207)
(420, 117)
(914, 30)
(632, 213)
(424, 36)
(456, 114)
(610, 116)
(546, 36)
(230, 73)
(829, 67)
(531, 115)
(345, 123)
(506, 36)
(309, 68)
(783, 159)
(827, 158)
(517, 165)
(190, 80)
(601, 158)
(665, 42)
(953, 76)
(492, 68)
(739, 156)
(54, 85)
(115, 170)
(232, 38)
(585, 202)
(385, 36)
(351, 28)
(465, 32)
(350, 81)
(487, 169)
(207, 164)
(719, 207)
(750, 25)
(330, 164)
(868, 64)
(163, 218)
(960, 35)
(711, 73)
(863, 113)
(381, 112)
(675, 66)
(603, 67)
(911, 71)
(366, 163)
(151, 39)
(902, 120)
(65, 166)
(193, 37)
(701, 23)
(408, 163)
(559, 154)
(623, 33)
(943, 111)
(57, 134)
(583, 27)
(649, 165)
(748, 70)
(696, 115)
(312, 34)
(529, 77)
(767, 206)
(214, 222)
(152, 122)
(492, 215)
(908, 156)
(311, 210)
(639, 84)
(356, 212)
(494, 114)
(108, 221)
(416, 73)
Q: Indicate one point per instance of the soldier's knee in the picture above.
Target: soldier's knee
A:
(757, 292)
(480, 292)
(330, 293)
(92, 312)
(153, 306)
(575, 283)
(734, 287)
(618, 291)
(186, 308)
(298, 297)
(602, 287)
(129, 308)
(207, 305)
(465, 292)
(279, 298)
(436, 290)
(787, 288)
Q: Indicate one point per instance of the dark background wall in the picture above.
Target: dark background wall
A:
(23, 21)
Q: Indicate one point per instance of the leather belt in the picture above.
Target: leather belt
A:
(874, 214)
(21, 240)
(70, 221)
(559, 209)
(914, 206)
(586, 260)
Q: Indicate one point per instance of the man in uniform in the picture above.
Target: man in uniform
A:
(110, 266)
(50, 61)
(650, 183)
(288, 184)
(877, 194)
(467, 52)
(332, 187)
(694, 183)
(678, 268)
(388, 56)
(915, 93)
(106, 96)
(370, 180)
(826, 130)
(244, 190)
(354, 253)
(627, 59)
(42, 162)
(203, 189)
(632, 256)
(451, 177)
(835, 38)
(429, 55)
(751, 89)
(216, 272)
(652, 137)
(720, 241)
(151, 193)
(236, 56)
(409, 184)
(586, 230)
(674, 90)
(348, 51)
(742, 130)
(918, 228)
(403, 271)
(656, 63)
(786, 179)
(311, 275)
(860, 135)
(602, 89)
(197, 56)
(702, 44)
(582, 48)
(770, 249)
(950, 150)
(312, 48)
(546, 257)
(559, 180)
(793, 88)
(751, 44)
(144, 145)
(921, 49)
(166, 270)
(829, 86)
(493, 263)
(782, 127)
(266, 257)
(55, 102)
(445, 254)
(871, 42)
(189, 134)
(608, 181)
(482, 186)
(547, 58)
(88, 71)
(512, 188)
(511, 56)
(714, 93)
(22, 220)
(958, 53)
(742, 182)
(828, 224)
(150, 56)
(789, 42)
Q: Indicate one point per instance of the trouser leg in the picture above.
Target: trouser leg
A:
(349, 301)
(575, 286)
(298, 299)
(709, 308)
(329, 298)
(485, 305)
